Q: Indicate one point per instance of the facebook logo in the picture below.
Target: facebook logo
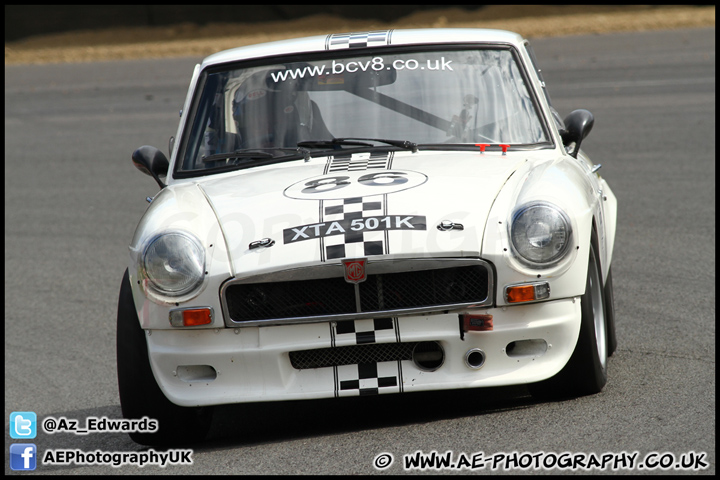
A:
(23, 456)
(23, 425)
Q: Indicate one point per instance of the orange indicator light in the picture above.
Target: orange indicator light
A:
(191, 317)
(527, 293)
(520, 293)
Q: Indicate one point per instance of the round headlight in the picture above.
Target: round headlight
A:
(540, 233)
(174, 263)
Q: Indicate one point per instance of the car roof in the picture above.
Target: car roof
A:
(321, 43)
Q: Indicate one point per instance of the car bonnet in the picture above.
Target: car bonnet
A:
(395, 204)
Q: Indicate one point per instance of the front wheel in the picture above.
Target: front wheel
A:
(140, 395)
(586, 371)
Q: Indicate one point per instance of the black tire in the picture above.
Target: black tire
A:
(586, 371)
(610, 313)
(140, 395)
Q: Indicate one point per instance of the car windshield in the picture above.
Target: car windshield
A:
(449, 97)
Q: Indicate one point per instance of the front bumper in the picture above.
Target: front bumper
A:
(252, 364)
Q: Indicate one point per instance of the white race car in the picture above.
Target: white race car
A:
(367, 213)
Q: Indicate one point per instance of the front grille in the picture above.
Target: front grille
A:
(383, 292)
(351, 355)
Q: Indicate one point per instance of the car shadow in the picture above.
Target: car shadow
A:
(258, 423)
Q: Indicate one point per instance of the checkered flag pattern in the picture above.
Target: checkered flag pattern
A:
(359, 162)
(353, 244)
(357, 332)
(368, 379)
(357, 39)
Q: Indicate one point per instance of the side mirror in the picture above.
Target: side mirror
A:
(151, 161)
(577, 126)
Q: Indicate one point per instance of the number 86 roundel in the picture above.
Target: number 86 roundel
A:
(354, 184)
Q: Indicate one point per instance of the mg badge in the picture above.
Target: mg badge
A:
(355, 270)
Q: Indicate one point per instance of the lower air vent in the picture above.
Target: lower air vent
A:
(351, 355)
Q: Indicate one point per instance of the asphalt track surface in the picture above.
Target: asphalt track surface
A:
(72, 200)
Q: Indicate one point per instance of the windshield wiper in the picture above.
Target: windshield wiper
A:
(251, 153)
(336, 143)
